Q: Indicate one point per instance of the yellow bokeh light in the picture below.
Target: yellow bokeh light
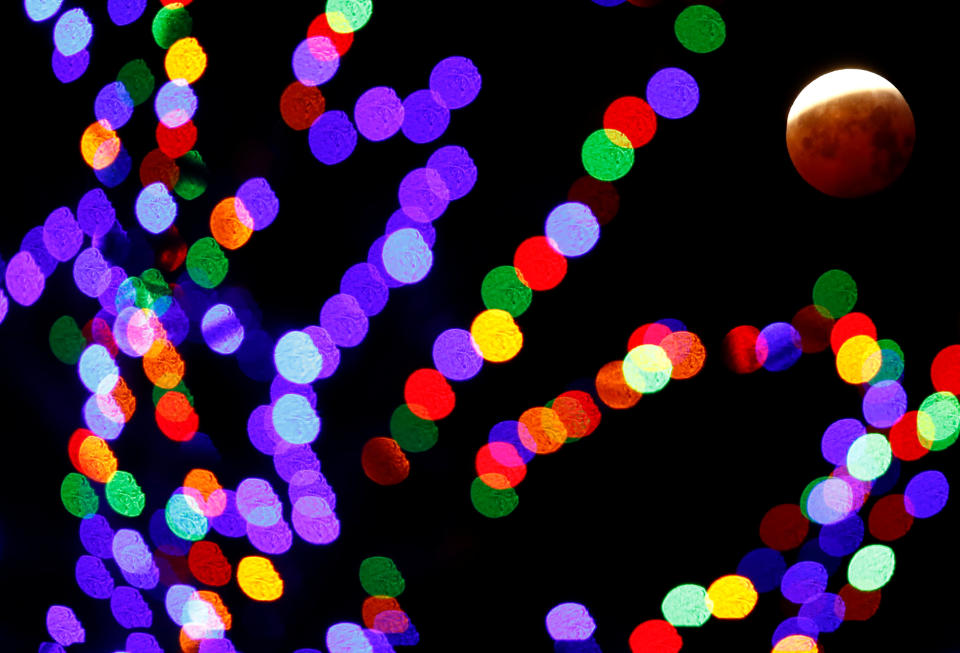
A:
(99, 145)
(731, 597)
(857, 361)
(258, 579)
(185, 60)
(497, 336)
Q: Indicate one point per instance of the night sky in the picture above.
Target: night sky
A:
(715, 228)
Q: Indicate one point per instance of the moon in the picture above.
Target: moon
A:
(850, 133)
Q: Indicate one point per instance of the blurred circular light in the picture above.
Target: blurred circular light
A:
(503, 289)
(655, 636)
(803, 581)
(297, 358)
(491, 502)
(496, 335)
(207, 265)
(348, 15)
(456, 81)
(884, 404)
(315, 61)
(673, 93)
(137, 80)
(778, 346)
(185, 60)
(171, 24)
(456, 355)
(836, 292)
(406, 257)
(945, 370)
(301, 105)
(175, 103)
(332, 137)
(869, 457)
(114, 105)
(69, 69)
(295, 420)
(871, 567)
(99, 145)
(156, 208)
(926, 494)
(700, 28)
(647, 369)
(633, 118)
(539, 265)
(72, 32)
(258, 579)
(423, 195)
(344, 320)
(378, 113)
(384, 462)
(24, 279)
(731, 597)
(570, 621)
(606, 155)
(686, 605)
(40, 10)
(125, 12)
(222, 329)
(456, 169)
(764, 567)
(572, 229)
(425, 118)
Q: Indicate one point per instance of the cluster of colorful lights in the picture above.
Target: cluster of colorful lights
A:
(656, 353)
(146, 317)
(866, 464)
(571, 230)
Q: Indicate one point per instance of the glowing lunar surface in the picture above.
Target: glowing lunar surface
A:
(850, 133)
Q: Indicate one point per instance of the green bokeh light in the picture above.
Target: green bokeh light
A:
(170, 25)
(603, 159)
(138, 80)
(502, 289)
(184, 518)
(493, 503)
(193, 176)
(124, 495)
(871, 567)
(412, 433)
(647, 369)
(869, 457)
(66, 340)
(942, 423)
(835, 291)
(206, 263)
(379, 576)
(686, 605)
(700, 29)
(355, 14)
(78, 497)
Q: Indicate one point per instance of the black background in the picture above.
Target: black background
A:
(715, 228)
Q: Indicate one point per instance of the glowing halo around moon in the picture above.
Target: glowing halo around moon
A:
(850, 133)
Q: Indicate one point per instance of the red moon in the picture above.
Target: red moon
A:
(850, 133)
